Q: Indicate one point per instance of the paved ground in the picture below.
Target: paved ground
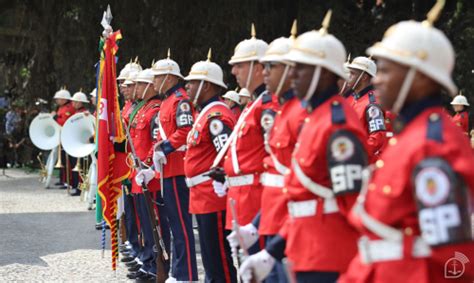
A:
(46, 235)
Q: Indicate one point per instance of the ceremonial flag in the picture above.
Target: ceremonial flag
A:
(112, 166)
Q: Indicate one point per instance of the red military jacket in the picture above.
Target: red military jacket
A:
(372, 118)
(249, 152)
(143, 134)
(176, 119)
(64, 112)
(424, 167)
(282, 139)
(331, 144)
(126, 111)
(211, 130)
(237, 111)
(462, 120)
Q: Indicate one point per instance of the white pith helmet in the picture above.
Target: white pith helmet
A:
(460, 100)
(63, 93)
(364, 64)
(232, 95)
(252, 49)
(166, 67)
(207, 71)
(80, 97)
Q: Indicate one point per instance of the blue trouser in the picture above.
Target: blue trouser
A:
(215, 250)
(317, 276)
(176, 197)
(165, 232)
(148, 255)
(278, 274)
(130, 221)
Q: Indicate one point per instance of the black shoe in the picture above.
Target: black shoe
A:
(132, 263)
(134, 275)
(135, 268)
(74, 192)
(59, 184)
(146, 279)
(127, 259)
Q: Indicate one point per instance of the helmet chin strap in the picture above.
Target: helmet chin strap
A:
(134, 94)
(162, 84)
(314, 83)
(282, 80)
(198, 93)
(144, 92)
(358, 80)
(249, 76)
(402, 95)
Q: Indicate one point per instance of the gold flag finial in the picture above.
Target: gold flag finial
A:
(169, 53)
(434, 13)
(209, 53)
(325, 24)
(253, 33)
(294, 30)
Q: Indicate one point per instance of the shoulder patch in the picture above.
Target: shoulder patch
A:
(214, 115)
(266, 97)
(267, 119)
(184, 115)
(337, 113)
(374, 116)
(435, 128)
(346, 159)
(216, 126)
(442, 201)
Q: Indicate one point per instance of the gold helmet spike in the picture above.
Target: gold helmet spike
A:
(152, 62)
(434, 13)
(293, 30)
(348, 58)
(209, 53)
(136, 60)
(80, 89)
(131, 61)
(325, 25)
(253, 33)
(169, 53)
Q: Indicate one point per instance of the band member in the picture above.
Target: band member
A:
(232, 99)
(461, 116)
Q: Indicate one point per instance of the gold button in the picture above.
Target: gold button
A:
(199, 125)
(306, 120)
(265, 166)
(434, 117)
(226, 157)
(278, 144)
(335, 103)
(285, 190)
(408, 231)
(372, 186)
(184, 158)
(279, 112)
(392, 141)
(301, 159)
(275, 128)
(297, 144)
(379, 164)
(387, 189)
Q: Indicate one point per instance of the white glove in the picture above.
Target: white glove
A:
(257, 266)
(249, 235)
(220, 188)
(159, 158)
(144, 176)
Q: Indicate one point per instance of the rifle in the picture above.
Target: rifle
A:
(159, 247)
(290, 275)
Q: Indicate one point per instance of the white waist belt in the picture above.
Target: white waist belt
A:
(272, 180)
(242, 180)
(385, 250)
(307, 208)
(196, 180)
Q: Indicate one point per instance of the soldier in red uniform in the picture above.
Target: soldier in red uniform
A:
(364, 102)
(143, 128)
(415, 212)
(243, 162)
(175, 122)
(210, 131)
(326, 169)
(78, 100)
(280, 144)
(232, 99)
(65, 110)
(461, 118)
